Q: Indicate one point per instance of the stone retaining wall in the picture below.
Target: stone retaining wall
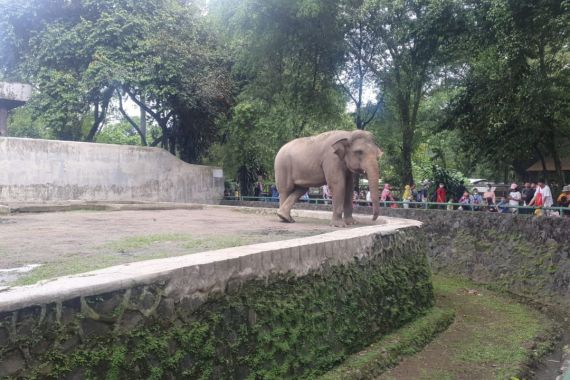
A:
(288, 309)
(524, 254)
(48, 170)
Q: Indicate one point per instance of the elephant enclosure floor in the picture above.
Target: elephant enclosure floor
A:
(79, 241)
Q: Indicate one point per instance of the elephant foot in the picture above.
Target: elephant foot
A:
(350, 221)
(285, 218)
(338, 223)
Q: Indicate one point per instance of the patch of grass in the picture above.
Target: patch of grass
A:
(137, 242)
(389, 350)
(68, 267)
(131, 249)
(218, 242)
(501, 335)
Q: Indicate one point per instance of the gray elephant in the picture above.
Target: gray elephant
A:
(332, 158)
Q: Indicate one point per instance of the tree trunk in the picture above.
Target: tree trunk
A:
(542, 161)
(407, 150)
(556, 158)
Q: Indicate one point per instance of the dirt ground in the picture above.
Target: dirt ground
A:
(78, 241)
(489, 339)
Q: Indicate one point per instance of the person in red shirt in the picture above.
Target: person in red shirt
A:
(441, 194)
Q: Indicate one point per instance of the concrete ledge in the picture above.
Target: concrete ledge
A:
(19, 207)
(207, 271)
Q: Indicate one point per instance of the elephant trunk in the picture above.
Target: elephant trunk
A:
(372, 173)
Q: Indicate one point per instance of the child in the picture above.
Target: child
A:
(503, 206)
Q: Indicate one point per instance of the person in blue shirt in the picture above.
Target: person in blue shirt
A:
(274, 194)
(503, 206)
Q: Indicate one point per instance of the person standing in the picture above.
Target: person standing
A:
(527, 194)
(407, 196)
(274, 194)
(466, 200)
(441, 194)
(258, 189)
(515, 198)
(564, 201)
(477, 199)
(386, 194)
(423, 193)
(326, 193)
(489, 197)
(542, 197)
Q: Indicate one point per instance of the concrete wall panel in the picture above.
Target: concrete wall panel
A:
(46, 170)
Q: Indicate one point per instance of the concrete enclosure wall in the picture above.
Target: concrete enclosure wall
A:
(286, 309)
(523, 254)
(47, 170)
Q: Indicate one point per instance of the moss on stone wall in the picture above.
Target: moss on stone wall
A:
(523, 254)
(283, 327)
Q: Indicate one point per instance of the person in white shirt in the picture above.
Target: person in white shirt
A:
(515, 198)
(545, 195)
(326, 193)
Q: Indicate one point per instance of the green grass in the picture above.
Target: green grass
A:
(137, 242)
(498, 331)
(219, 242)
(134, 248)
(389, 350)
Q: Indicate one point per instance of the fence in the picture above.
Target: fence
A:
(562, 211)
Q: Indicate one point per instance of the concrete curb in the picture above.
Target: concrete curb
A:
(14, 208)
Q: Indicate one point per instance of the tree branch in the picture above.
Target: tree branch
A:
(131, 121)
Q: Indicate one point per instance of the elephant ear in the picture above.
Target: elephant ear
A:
(339, 147)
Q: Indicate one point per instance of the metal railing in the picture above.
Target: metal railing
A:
(562, 211)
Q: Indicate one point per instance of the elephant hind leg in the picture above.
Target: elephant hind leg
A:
(285, 208)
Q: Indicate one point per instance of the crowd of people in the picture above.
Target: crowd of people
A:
(527, 199)
(530, 198)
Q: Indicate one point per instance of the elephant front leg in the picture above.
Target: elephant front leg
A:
(339, 191)
(348, 219)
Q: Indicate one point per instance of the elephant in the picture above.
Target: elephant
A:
(330, 158)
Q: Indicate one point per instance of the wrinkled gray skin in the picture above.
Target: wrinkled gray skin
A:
(329, 158)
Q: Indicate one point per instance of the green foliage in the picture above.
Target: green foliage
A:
(285, 56)
(83, 54)
(118, 133)
(454, 182)
(413, 40)
(512, 106)
(231, 85)
(21, 123)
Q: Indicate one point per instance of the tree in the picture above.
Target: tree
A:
(356, 77)
(285, 55)
(83, 54)
(512, 107)
(415, 40)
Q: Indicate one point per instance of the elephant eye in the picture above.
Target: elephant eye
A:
(358, 152)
